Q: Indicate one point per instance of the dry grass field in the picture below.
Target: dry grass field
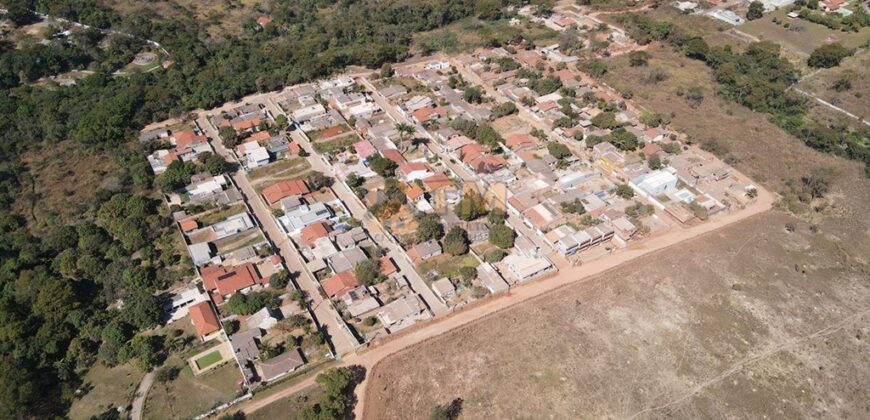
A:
(855, 99)
(746, 322)
(217, 17)
(53, 190)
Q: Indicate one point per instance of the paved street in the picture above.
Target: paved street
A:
(342, 340)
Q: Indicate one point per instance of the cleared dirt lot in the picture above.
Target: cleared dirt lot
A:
(750, 321)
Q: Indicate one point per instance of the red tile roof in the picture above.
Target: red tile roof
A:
(275, 192)
(521, 141)
(410, 167)
(395, 156)
(340, 283)
(259, 136)
(650, 149)
(246, 124)
(314, 232)
(437, 181)
(204, 319)
(263, 21)
(185, 138)
(425, 114)
(188, 224)
(546, 106)
(471, 152)
(364, 148)
(388, 266)
(413, 192)
(229, 280)
(488, 164)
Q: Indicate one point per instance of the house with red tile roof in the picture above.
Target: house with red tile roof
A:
(395, 156)
(521, 142)
(275, 192)
(364, 149)
(413, 192)
(488, 164)
(186, 138)
(259, 136)
(188, 224)
(437, 181)
(424, 115)
(388, 267)
(246, 124)
(340, 284)
(204, 320)
(833, 5)
(650, 149)
(224, 281)
(313, 232)
(470, 152)
(414, 170)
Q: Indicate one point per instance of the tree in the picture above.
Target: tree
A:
(468, 273)
(213, 163)
(456, 241)
(429, 227)
(280, 279)
(828, 55)
(317, 181)
(231, 327)
(756, 10)
(605, 120)
(142, 310)
(488, 9)
(558, 150)
(623, 139)
(502, 236)
(353, 180)
(382, 166)
(386, 71)
(472, 95)
(176, 175)
(494, 255)
(404, 131)
(228, 137)
(449, 411)
(470, 207)
(573, 207)
(624, 191)
(655, 162)
(638, 58)
(496, 216)
(503, 109)
(368, 272)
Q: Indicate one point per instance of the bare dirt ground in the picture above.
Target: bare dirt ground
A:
(746, 322)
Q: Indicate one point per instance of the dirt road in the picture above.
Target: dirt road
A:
(342, 340)
(371, 357)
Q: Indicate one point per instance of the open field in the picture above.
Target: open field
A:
(288, 407)
(188, 396)
(802, 36)
(282, 169)
(112, 387)
(53, 189)
(855, 99)
(747, 322)
(470, 33)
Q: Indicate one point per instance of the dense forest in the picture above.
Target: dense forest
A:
(76, 293)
